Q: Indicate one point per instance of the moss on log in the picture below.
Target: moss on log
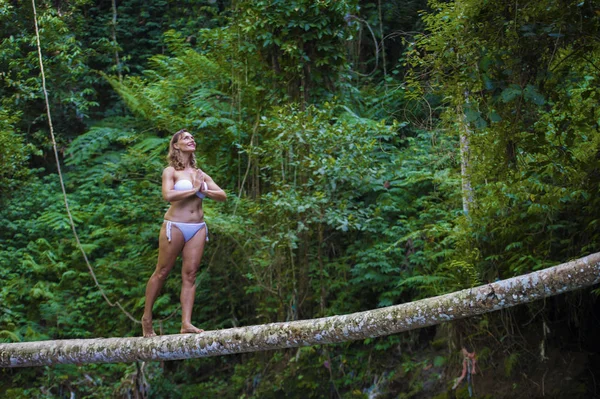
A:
(327, 330)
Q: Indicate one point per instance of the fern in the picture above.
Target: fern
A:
(152, 147)
(93, 143)
(57, 220)
(9, 336)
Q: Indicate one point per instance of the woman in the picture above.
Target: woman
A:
(183, 230)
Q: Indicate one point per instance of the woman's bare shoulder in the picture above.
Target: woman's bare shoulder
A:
(169, 171)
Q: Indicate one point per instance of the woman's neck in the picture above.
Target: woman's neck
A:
(186, 161)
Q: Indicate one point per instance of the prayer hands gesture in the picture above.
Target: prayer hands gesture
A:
(198, 180)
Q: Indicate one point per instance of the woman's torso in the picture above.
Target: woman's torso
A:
(189, 209)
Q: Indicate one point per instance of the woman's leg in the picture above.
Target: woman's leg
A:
(192, 255)
(167, 255)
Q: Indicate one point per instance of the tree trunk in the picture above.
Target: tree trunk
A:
(114, 38)
(373, 323)
(465, 158)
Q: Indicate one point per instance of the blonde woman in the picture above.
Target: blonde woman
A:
(184, 230)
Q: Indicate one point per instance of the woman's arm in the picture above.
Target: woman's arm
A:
(169, 194)
(214, 191)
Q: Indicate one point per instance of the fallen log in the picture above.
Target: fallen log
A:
(327, 330)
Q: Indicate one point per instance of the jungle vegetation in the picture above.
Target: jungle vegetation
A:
(374, 153)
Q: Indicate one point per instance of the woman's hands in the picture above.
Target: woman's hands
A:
(202, 186)
(198, 180)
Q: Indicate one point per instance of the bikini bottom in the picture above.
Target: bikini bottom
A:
(188, 229)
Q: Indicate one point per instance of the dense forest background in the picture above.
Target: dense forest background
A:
(374, 153)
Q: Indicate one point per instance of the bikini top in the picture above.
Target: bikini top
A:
(183, 184)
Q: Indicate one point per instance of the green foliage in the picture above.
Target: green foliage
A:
(344, 190)
(188, 90)
(159, 97)
(67, 72)
(316, 166)
(14, 153)
(414, 228)
(300, 42)
(532, 166)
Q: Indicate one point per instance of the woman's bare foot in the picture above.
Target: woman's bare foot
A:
(190, 329)
(147, 329)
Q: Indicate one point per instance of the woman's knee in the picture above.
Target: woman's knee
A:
(161, 273)
(189, 274)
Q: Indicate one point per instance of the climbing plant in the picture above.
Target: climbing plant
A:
(523, 84)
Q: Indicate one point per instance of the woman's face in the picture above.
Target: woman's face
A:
(185, 143)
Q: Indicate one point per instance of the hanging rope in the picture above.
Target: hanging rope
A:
(62, 184)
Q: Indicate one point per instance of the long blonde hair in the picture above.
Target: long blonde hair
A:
(175, 158)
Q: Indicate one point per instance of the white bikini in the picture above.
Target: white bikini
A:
(183, 185)
(187, 229)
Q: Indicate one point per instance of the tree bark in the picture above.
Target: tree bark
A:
(373, 323)
(114, 38)
(465, 160)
